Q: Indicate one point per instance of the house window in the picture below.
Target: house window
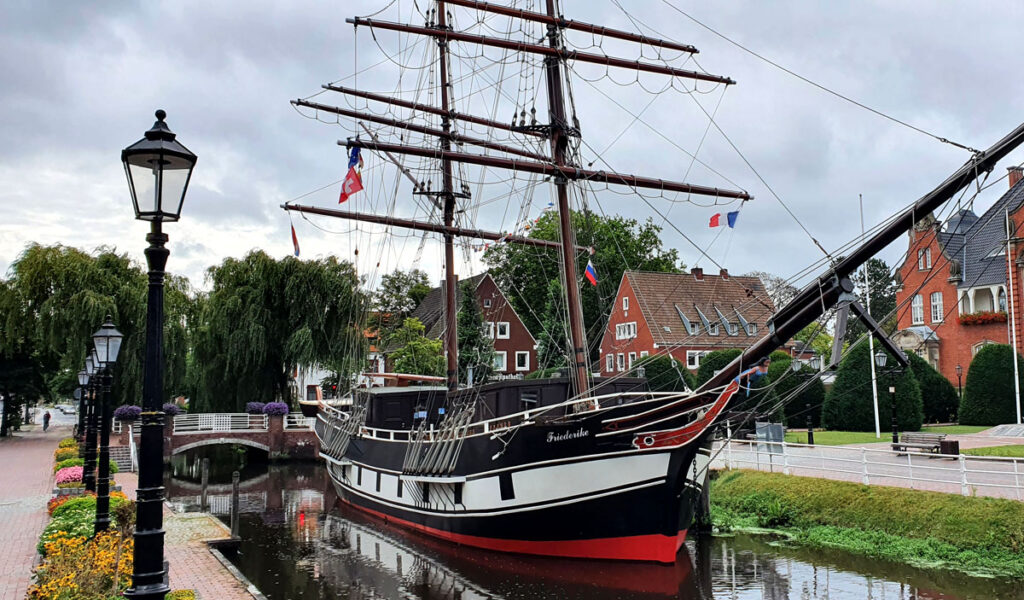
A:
(1002, 300)
(625, 303)
(924, 259)
(489, 330)
(632, 359)
(622, 361)
(713, 329)
(917, 310)
(734, 329)
(625, 331)
(928, 257)
(937, 307)
(500, 361)
(487, 302)
(643, 354)
(503, 330)
(693, 329)
(693, 358)
(752, 328)
(522, 361)
(609, 363)
(975, 348)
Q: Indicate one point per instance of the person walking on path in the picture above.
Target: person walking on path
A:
(46, 421)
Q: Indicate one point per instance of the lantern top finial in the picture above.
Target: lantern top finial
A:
(160, 114)
(160, 130)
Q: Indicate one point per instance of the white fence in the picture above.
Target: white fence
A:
(219, 422)
(297, 421)
(967, 475)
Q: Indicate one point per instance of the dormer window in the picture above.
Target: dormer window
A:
(713, 329)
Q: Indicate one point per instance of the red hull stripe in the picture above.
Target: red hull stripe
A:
(653, 547)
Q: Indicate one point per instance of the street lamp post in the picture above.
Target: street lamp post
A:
(83, 380)
(880, 360)
(107, 341)
(89, 460)
(815, 363)
(959, 381)
(158, 169)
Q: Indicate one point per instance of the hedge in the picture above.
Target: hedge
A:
(794, 412)
(849, 405)
(664, 374)
(938, 396)
(714, 361)
(988, 394)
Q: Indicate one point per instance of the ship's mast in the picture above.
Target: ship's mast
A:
(451, 333)
(559, 131)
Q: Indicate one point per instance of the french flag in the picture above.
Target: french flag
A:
(591, 273)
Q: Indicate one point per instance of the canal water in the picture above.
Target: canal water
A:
(298, 542)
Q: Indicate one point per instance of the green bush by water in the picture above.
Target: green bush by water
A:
(976, 535)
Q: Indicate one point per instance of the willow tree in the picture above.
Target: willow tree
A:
(265, 318)
(57, 296)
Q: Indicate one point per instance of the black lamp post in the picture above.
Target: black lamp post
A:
(158, 170)
(89, 466)
(107, 341)
(959, 381)
(815, 363)
(83, 380)
(880, 360)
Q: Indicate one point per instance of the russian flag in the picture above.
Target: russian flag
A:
(295, 241)
(591, 273)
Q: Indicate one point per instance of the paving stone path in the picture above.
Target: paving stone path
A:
(26, 482)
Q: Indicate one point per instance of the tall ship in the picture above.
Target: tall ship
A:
(571, 465)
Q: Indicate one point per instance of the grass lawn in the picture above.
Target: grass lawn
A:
(1016, 450)
(837, 438)
(955, 429)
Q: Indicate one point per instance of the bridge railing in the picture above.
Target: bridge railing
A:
(298, 421)
(218, 422)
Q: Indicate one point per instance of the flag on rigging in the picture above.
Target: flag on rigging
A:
(352, 184)
(732, 218)
(591, 273)
(295, 241)
(355, 158)
(714, 220)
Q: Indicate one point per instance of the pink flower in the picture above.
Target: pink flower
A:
(69, 475)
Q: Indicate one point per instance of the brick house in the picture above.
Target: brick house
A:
(954, 292)
(514, 347)
(684, 314)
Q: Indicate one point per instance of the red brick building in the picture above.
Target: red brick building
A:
(514, 347)
(684, 314)
(954, 295)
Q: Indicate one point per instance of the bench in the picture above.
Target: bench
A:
(920, 441)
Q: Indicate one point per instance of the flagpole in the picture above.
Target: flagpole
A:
(871, 338)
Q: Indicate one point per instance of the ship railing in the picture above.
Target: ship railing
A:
(219, 422)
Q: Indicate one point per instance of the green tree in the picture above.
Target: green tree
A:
(665, 374)
(715, 361)
(778, 288)
(794, 404)
(416, 353)
(525, 272)
(475, 348)
(265, 317)
(937, 394)
(989, 395)
(849, 405)
(399, 293)
(883, 298)
(54, 299)
(552, 340)
(817, 339)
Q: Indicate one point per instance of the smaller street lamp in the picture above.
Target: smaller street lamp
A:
(880, 360)
(959, 381)
(815, 363)
(83, 380)
(107, 344)
(89, 468)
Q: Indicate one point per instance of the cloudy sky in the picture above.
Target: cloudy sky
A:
(81, 81)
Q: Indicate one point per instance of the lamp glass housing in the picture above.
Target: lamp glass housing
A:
(107, 341)
(815, 362)
(959, 370)
(880, 359)
(795, 365)
(158, 169)
(90, 366)
(83, 378)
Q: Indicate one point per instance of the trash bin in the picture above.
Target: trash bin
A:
(949, 447)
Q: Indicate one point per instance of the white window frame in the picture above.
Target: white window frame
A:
(625, 331)
(620, 362)
(609, 363)
(508, 330)
(625, 303)
(644, 354)
(693, 358)
(487, 302)
(928, 257)
(977, 347)
(937, 312)
(713, 329)
(521, 354)
(632, 359)
(1001, 300)
(753, 328)
(917, 310)
(501, 356)
(489, 329)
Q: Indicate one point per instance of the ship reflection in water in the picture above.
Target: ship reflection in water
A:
(298, 542)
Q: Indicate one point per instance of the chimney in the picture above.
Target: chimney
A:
(698, 273)
(724, 273)
(1016, 173)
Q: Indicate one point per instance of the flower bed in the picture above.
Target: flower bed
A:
(64, 454)
(69, 475)
(80, 462)
(68, 442)
(983, 318)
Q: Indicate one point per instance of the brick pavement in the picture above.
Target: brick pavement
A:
(192, 564)
(26, 482)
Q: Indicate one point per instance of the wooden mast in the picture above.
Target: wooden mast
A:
(451, 333)
(559, 129)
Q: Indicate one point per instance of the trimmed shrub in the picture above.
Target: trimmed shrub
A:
(68, 442)
(75, 518)
(71, 462)
(938, 396)
(69, 475)
(128, 412)
(254, 408)
(714, 361)
(989, 394)
(794, 412)
(849, 405)
(62, 454)
(665, 374)
(275, 408)
(171, 410)
(58, 501)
